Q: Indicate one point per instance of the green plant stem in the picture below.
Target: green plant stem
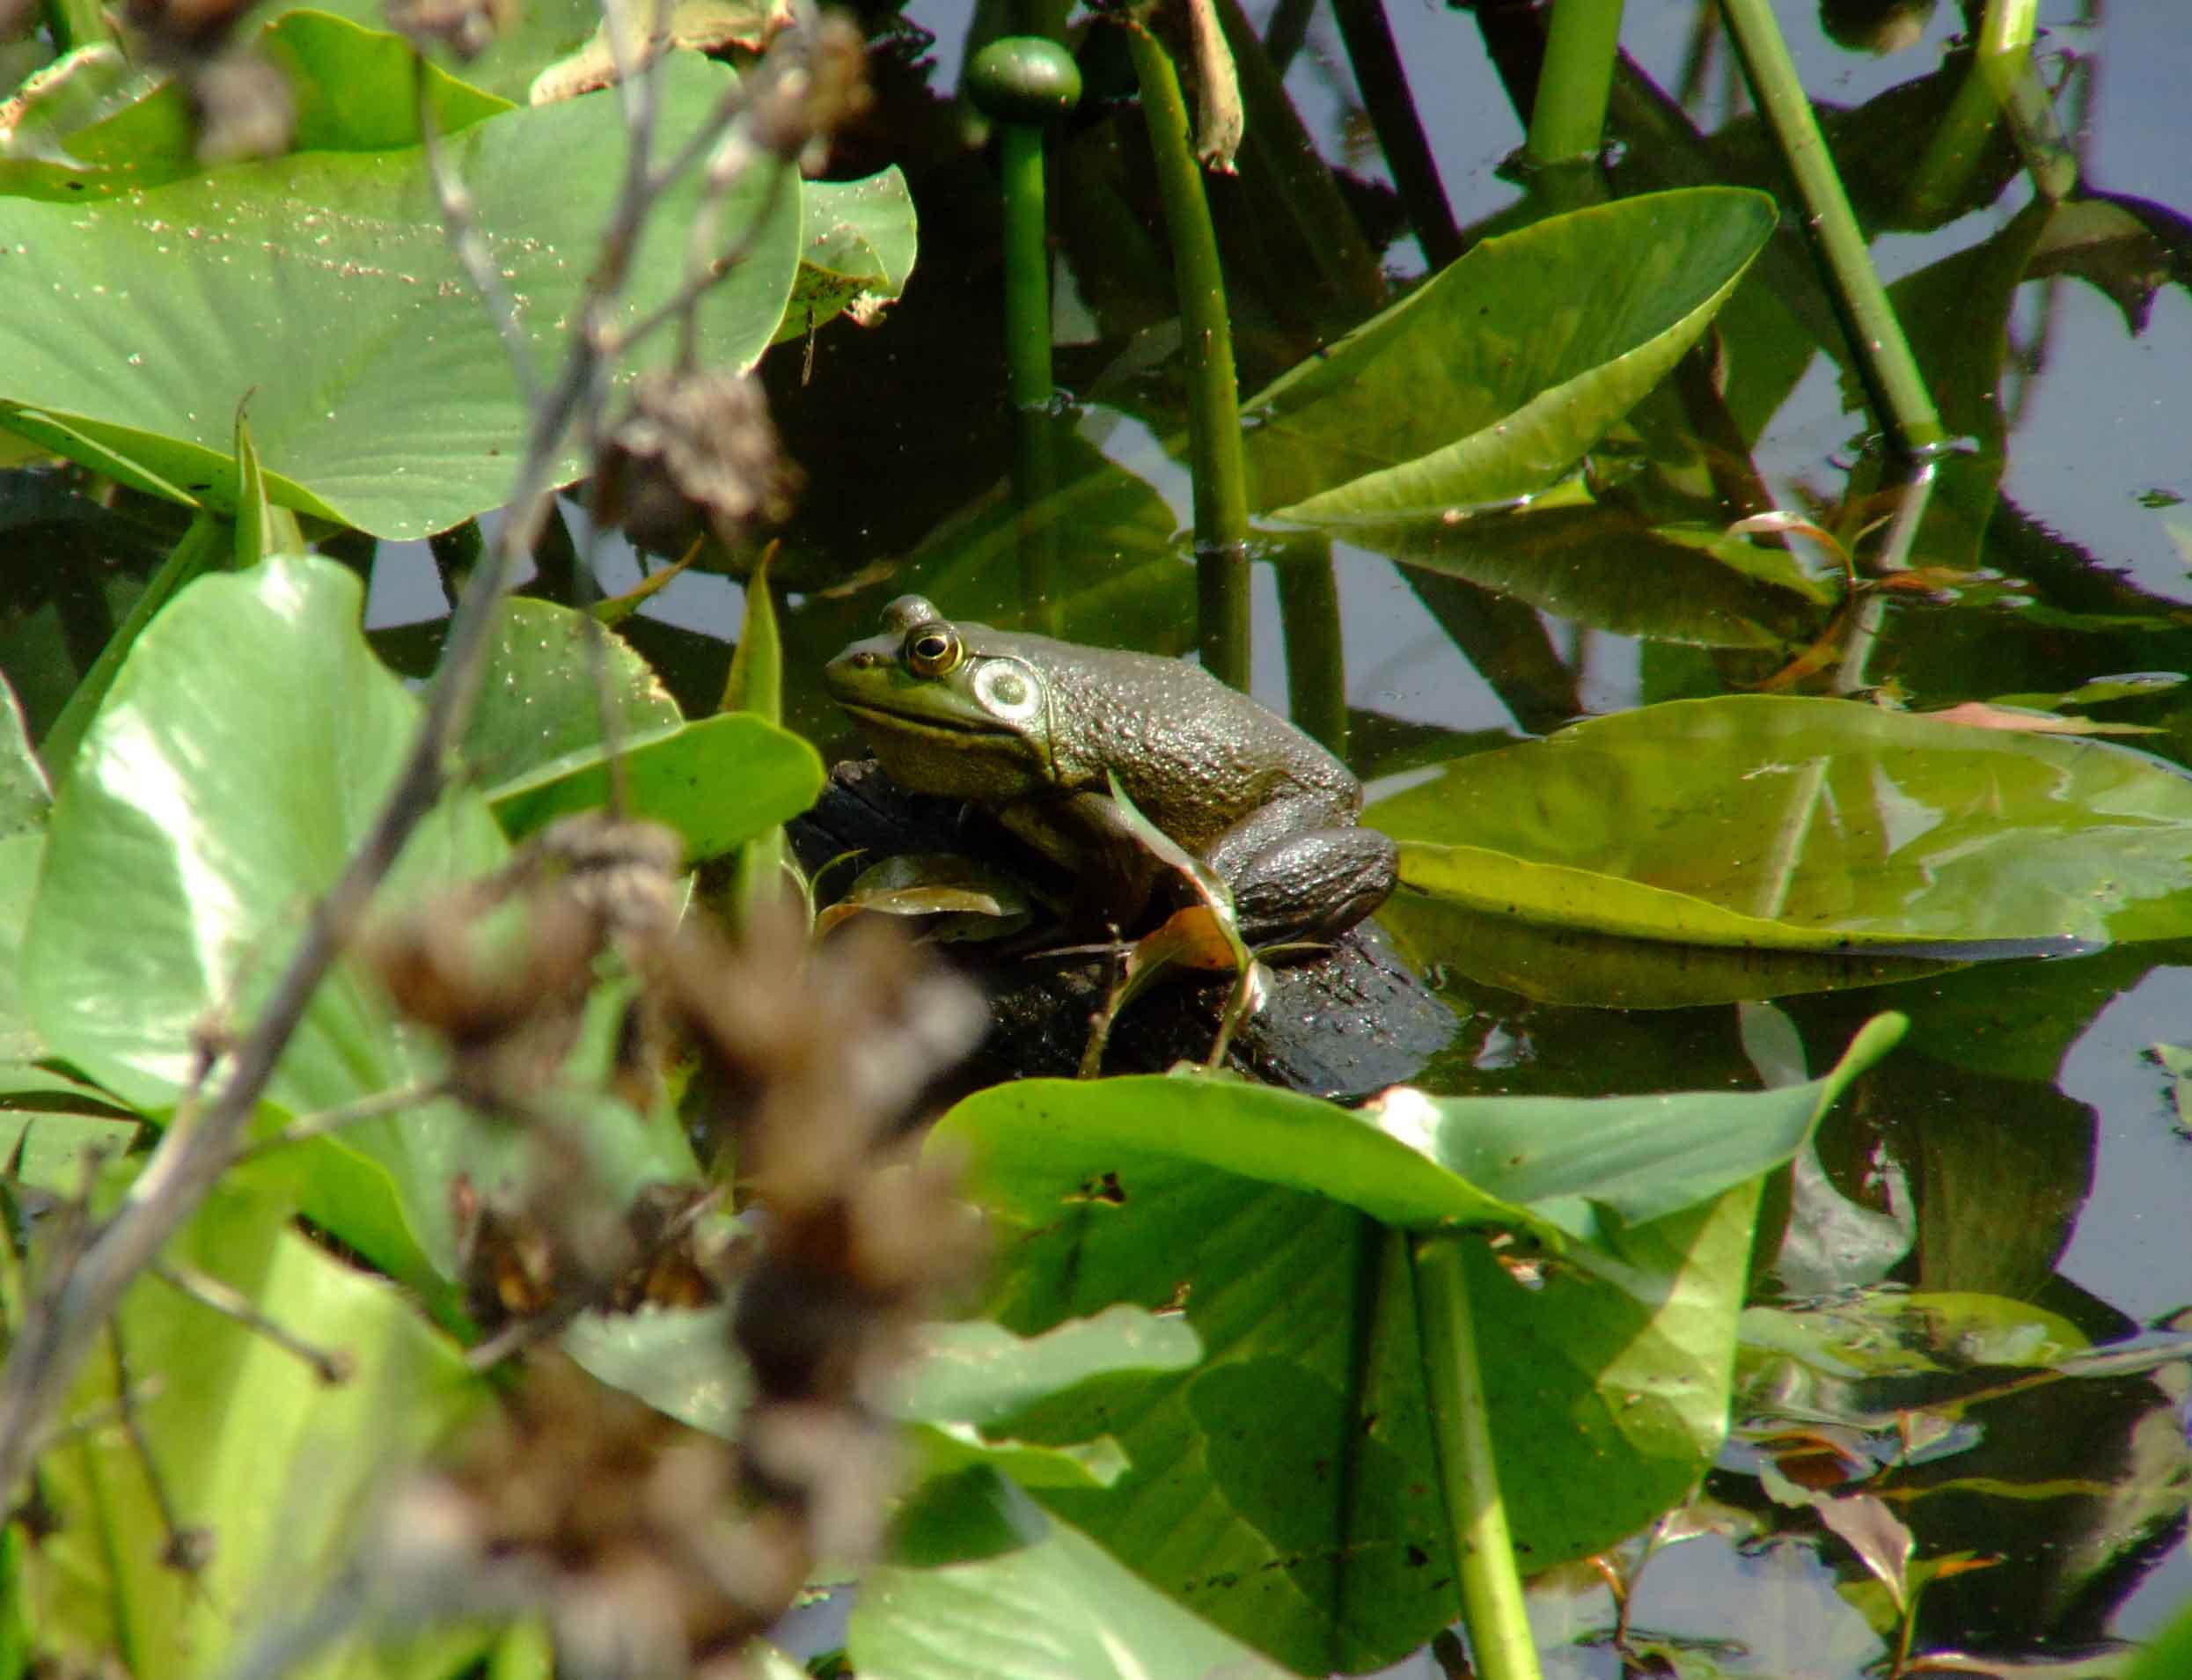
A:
(1383, 83)
(1568, 116)
(76, 23)
(1882, 355)
(1028, 365)
(1484, 1551)
(1213, 401)
(1027, 267)
(1317, 671)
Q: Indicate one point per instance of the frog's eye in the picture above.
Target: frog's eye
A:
(934, 649)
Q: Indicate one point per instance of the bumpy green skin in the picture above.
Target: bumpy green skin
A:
(1027, 727)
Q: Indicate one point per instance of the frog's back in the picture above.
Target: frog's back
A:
(1195, 755)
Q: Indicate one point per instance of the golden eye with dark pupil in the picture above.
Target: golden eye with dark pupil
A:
(932, 649)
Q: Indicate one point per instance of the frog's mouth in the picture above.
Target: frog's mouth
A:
(923, 724)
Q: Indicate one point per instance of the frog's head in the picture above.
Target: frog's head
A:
(957, 710)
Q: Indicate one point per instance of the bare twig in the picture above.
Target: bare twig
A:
(330, 1367)
(334, 1119)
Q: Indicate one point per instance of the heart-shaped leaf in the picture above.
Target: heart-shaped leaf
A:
(418, 422)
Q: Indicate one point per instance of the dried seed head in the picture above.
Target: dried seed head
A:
(465, 27)
(244, 108)
(813, 82)
(693, 442)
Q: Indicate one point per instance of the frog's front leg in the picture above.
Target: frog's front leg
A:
(1114, 874)
(1296, 874)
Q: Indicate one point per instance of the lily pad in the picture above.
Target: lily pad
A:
(1785, 824)
(422, 422)
(1486, 384)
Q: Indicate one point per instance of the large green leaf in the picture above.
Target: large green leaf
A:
(1490, 382)
(718, 783)
(540, 699)
(1765, 826)
(1286, 1488)
(404, 426)
(352, 86)
(245, 750)
(275, 1465)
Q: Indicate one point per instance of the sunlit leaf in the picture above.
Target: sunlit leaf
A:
(719, 781)
(1056, 1604)
(1772, 825)
(105, 129)
(244, 1436)
(1486, 383)
(1287, 1488)
(206, 812)
(540, 697)
(422, 424)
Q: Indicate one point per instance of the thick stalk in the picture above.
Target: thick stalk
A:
(1568, 116)
(1882, 355)
(1213, 403)
(76, 23)
(1028, 365)
(1484, 1551)
(1317, 671)
(1026, 266)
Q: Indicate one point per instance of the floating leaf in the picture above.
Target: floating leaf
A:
(1055, 1603)
(422, 423)
(1766, 825)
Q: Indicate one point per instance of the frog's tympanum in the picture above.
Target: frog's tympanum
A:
(1026, 727)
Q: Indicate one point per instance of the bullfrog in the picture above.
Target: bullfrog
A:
(1026, 727)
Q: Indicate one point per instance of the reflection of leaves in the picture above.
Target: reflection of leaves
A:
(1604, 568)
(2128, 247)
